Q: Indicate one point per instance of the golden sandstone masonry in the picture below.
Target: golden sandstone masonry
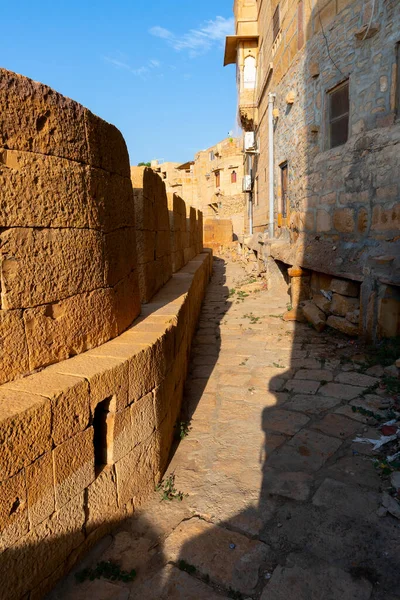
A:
(90, 388)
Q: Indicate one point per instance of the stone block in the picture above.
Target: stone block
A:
(343, 220)
(341, 391)
(25, 421)
(146, 246)
(69, 327)
(106, 146)
(106, 377)
(320, 281)
(74, 467)
(353, 316)
(341, 305)
(143, 418)
(324, 220)
(135, 474)
(13, 347)
(345, 287)
(119, 435)
(14, 521)
(111, 198)
(353, 378)
(102, 499)
(40, 488)
(43, 191)
(35, 118)
(163, 244)
(314, 315)
(343, 325)
(295, 314)
(322, 303)
(306, 451)
(39, 266)
(119, 255)
(126, 301)
(69, 400)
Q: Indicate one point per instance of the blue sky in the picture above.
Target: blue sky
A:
(153, 69)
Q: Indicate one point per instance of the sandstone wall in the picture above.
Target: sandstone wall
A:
(218, 232)
(153, 235)
(186, 230)
(84, 441)
(67, 229)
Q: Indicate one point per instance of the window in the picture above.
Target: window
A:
(284, 189)
(276, 25)
(217, 179)
(233, 177)
(249, 74)
(212, 155)
(338, 106)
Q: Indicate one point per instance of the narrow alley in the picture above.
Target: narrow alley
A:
(269, 496)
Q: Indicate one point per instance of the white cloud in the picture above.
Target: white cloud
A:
(197, 41)
(142, 71)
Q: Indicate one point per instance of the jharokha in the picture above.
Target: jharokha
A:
(103, 270)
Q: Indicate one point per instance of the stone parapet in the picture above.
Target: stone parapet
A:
(85, 440)
(68, 258)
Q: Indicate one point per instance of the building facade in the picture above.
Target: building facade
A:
(212, 183)
(318, 85)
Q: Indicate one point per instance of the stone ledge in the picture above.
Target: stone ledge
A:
(49, 434)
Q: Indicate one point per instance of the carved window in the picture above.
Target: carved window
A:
(212, 155)
(217, 178)
(249, 73)
(338, 106)
(233, 177)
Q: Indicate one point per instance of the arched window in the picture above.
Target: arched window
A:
(233, 177)
(249, 73)
(217, 179)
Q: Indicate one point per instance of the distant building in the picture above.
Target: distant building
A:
(212, 182)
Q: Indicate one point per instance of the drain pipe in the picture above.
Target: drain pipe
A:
(249, 171)
(271, 162)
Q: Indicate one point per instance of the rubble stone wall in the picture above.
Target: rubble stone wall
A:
(67, 229)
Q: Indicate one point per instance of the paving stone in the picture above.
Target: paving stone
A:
(209, 549)
(283, 421)
(315, 374)
(173, 584)
(311, 404)
(337, 426)
(340, 390)
(290, 485)
(300, 386)
(346, 499)
(359, 379)
(355, 470)
(306, 451)
(327, 583)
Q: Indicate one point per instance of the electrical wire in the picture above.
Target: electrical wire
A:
(370, 20)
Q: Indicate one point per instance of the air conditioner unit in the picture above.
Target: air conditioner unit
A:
(249, 141)
(247, 183)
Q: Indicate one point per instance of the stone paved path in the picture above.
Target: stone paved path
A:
(281, 504)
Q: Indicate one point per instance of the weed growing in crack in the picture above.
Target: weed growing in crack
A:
(277, 365)
(234, 594)
(168, 491)
(182, 429)
(187, 567)
(253, 319)
(108, 570)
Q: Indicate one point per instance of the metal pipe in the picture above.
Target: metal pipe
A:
(271, 162)
(249, 171)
